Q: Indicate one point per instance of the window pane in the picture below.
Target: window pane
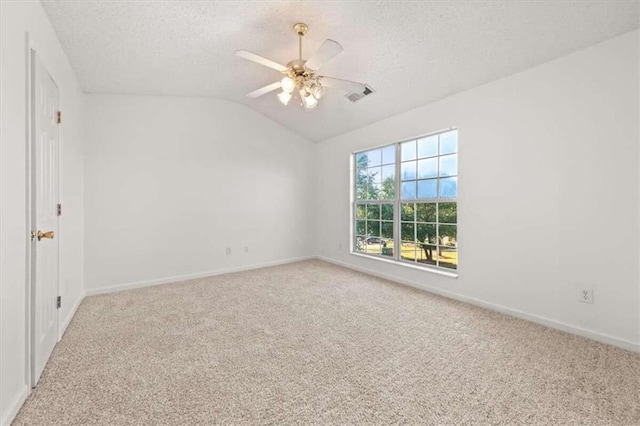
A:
(387, 230)
(361, 175)
(448, 258)
(361, 184)
(388, 182)
(448, 213)
(387, 211)
(408, 170)
(408, 151)
(361, 160)
(375, 174)
(448, 235)
(428, 188)
(388, 172)
(388, 190)
(407, 231)
(368, 192)
(427, 254)
(428, 168)
(449, 142)
(408, 251)
(426, 233)
(373, 228)
(426, 212)
(389, 154)
(373, 245)
(373, 211)
(449, 165)
(409, 190)
(406, 212)
(375, 191)
(428, 147)
(361, 228)
(449, 187)
(361, 211)
(361, 191)
(375, 157)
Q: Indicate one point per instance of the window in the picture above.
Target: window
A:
(405, 201)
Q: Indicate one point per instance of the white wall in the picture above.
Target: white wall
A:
(548, 164)
(548, 160)
(17, 19)
(172, 181)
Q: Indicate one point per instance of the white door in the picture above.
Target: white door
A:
(44, 321)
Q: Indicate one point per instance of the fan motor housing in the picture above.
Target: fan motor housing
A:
(297, 65)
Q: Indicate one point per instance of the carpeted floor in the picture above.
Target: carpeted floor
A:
(313, 343)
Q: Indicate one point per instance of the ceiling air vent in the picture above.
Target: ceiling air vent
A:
(355, 97)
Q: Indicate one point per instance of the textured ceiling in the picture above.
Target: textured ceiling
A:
(411, 53)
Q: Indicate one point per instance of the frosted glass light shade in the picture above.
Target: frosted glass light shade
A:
(284, 97)
(288, 84)
(317, 91)
(307, 99)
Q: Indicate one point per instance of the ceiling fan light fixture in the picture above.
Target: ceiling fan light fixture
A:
(317, 91)
(301, 76)
(284, 97)
(308, 100)
(288, 84)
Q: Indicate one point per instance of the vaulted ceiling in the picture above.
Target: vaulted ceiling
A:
(410, 53)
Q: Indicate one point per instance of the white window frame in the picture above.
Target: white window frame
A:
(397, 201)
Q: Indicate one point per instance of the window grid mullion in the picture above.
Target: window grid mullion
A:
(438, 209)
(438, 223)
(354, 212)
(397, 241)
(415, 225)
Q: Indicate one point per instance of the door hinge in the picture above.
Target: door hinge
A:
(59, 117)
(59, 302)
(59, 210)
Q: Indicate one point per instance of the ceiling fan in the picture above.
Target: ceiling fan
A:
(301, 75)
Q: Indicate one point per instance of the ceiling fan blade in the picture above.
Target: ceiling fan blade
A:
(266, 89)
(260, 60)
(329, 50)
(346, 85)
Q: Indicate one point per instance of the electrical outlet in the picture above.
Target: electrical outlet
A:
(585, 295)
(228, 251)
(340, 246)
(246, 249)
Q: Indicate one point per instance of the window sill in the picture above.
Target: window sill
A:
(408, 265)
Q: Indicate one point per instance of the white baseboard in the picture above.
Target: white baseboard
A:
(72, 313)
(593, 335)
(177, 278)
(14, 406)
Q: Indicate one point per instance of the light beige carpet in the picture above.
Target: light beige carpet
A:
(313, 343)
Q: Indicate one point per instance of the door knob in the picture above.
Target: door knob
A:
(48, 234)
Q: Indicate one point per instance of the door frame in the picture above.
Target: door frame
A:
(30, 212)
